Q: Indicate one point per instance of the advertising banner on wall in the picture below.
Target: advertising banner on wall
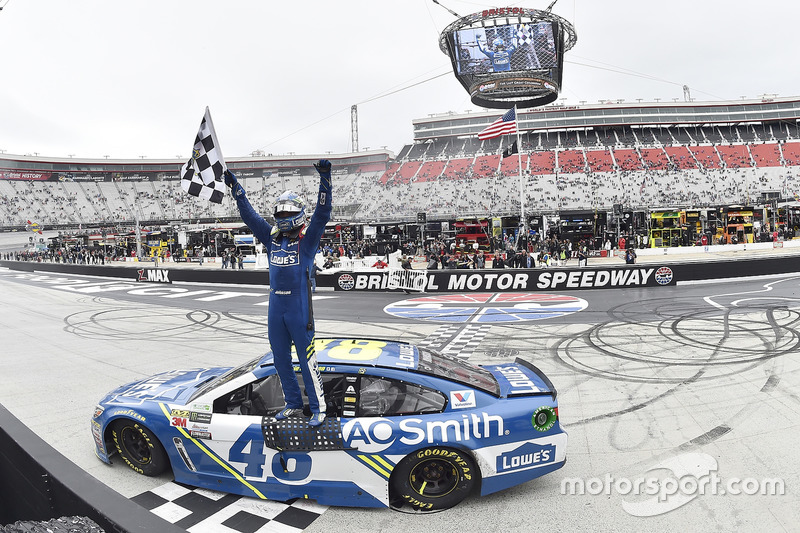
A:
(518, 280)
(24, 175)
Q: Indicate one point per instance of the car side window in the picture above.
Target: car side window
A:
(263, 398)
(333, 388)
(378, 396)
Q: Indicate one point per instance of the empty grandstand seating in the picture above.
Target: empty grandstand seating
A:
(791, 153)
(766, 155)
(655, 159)
(628, 159)
(389, 174)
(681, 157)
(407, 171)
(457, 169)
(600, 160)
(734, 156)
(543, 162)
(466, 177)
(706, 156)
(430, 170)
(485, 166)
(570, 161)
(509, 166)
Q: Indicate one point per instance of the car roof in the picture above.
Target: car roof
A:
(363, 352)
(341, 353)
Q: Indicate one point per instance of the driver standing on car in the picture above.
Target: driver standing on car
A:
(291, 248)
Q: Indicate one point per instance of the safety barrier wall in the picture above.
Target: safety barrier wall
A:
(147, 272)
(37, 483)
(649, 274)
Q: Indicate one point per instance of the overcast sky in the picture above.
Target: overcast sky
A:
(97, 78)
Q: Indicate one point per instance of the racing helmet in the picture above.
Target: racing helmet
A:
(290, 211)
(499, 43)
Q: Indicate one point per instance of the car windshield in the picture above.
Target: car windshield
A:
(231, 374)
(456, 369)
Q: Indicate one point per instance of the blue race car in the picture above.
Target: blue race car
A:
(405, 426)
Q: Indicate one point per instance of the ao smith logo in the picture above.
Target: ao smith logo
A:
(378, 434)
(152, 274)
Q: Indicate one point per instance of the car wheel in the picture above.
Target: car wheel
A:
(433, 479)
(139, 447)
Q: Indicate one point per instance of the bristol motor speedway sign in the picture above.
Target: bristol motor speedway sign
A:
(518, 280)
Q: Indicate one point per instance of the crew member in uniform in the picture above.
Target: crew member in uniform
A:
(291, 248)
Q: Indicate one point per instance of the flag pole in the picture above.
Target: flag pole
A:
(523, 219)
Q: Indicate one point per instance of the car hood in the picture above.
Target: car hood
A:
(165, 387)
(521, 378)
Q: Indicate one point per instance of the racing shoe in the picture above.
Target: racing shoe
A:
(288, 413)
(316, 420)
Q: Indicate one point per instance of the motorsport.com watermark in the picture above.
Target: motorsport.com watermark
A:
(690, 475)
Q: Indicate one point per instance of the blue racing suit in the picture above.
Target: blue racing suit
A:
(290, 318)
(501, 60)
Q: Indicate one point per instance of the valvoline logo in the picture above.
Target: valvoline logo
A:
(462, 399)
(374, 435)
(528, 455)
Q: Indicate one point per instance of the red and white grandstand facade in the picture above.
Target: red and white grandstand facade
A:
(589, 156)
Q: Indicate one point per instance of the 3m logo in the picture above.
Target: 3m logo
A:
(462, 399)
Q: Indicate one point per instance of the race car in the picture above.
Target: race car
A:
(406, 426)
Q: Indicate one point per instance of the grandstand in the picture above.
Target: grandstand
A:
(579, 157)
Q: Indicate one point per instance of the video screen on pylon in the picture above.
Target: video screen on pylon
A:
(506, 48)
(508, 57)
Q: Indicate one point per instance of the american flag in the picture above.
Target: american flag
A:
(505, 124)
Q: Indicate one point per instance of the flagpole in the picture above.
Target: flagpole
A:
(523, 220)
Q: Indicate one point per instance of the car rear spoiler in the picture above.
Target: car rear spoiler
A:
(522, 362)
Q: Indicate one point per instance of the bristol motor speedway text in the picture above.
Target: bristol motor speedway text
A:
(519, 281)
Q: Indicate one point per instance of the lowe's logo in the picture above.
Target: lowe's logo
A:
(377, 434)
(526, 456)
(283, 258)
(519, 381)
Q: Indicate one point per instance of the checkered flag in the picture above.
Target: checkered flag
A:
(524, 34)
(201, 176)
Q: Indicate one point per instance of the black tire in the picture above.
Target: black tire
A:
(433, 479)
(139, 447)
